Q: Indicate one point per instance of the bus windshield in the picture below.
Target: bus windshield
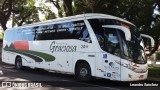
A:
(129, 50)
(133, 49)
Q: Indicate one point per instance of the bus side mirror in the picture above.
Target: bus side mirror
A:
(149, 37)
(124, 29)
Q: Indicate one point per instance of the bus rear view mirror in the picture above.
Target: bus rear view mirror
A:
(124, 29)
(149, 37)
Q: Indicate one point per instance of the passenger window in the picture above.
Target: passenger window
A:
(29, 34)
(67, 30)
(8, 34)
(46, 32)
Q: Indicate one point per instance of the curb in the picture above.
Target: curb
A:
(151, 64)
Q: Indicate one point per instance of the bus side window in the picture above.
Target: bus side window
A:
(80, 32)
(46, 32)
(67, 30)
(9, 34)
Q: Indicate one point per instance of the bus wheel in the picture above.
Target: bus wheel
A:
(83, 72)
(18, 63)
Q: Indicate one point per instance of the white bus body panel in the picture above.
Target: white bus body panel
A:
(106, 66)
(134, 71)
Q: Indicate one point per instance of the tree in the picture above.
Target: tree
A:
(95, 6)
(156, 26)
(5, 12)
(24, 12)
(58, 6)
(63, 6)
(47, 11)
(68, 7)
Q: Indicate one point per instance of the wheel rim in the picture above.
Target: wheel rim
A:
(83, 72)
(19, 64)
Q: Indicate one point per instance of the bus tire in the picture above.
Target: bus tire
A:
(18, 63)
(83, 72)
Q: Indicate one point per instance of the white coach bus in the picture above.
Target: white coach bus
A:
(87, 45)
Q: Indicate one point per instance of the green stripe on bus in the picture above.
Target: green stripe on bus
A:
(33, 55)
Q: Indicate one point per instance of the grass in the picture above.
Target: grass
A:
(154, 72)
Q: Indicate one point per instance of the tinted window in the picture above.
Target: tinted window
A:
(108, 40)
(29, 33)
(96, 22)
(112, 44)
(10, 35)
(46, 32)
(68, 30)
(19, 35)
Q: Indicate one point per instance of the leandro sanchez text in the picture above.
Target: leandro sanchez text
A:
(144, 84)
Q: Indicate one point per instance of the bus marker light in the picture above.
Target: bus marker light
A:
(141, 76)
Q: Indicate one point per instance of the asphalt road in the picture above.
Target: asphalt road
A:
(58, 81)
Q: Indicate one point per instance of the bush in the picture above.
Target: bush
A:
(154, 72)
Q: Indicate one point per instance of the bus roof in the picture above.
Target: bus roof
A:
(73, 18)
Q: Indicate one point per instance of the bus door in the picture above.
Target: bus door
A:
(109, 67)
(110, 56)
